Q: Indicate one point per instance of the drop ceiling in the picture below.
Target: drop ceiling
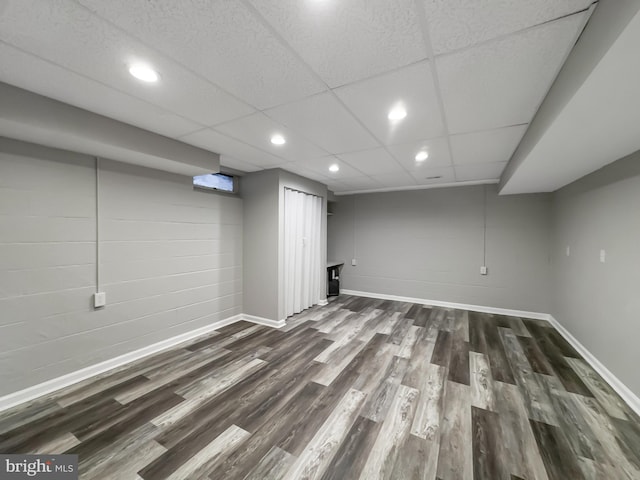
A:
(323, 73)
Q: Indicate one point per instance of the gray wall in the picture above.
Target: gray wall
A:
(429, 244)
(263, 195)
(171, 260)
(599, 302)
(261, 233)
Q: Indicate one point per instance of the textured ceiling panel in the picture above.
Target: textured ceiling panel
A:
(479, 171)
(219, 39)
(401, 179)
(46, 78)
(361, 183)
(373, 162)
(220, 61)
(427, 175)
(410, 87)
(258, 129)
(348, 40)
(324, 120)
(437, 148)
(321, 166)
(502, 82)
(486, 146)
(457, 24)
(69, 35)
(298, 169)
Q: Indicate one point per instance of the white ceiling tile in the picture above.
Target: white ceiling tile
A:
(52, 81)
(227, 161)
(432, 175)
(361, 183)
(338, 188)
(70, 36)
(372, 162)
(413, 88)
(321, 166)
(257, 130)
(334, 185)
(402, 179)
(502, 82)
(295, 167)
(324, 120)
(479, 171)
(224, 145)
(457, 24)
(487, 146)
(220, 39)
(348, 40)
(437, 148)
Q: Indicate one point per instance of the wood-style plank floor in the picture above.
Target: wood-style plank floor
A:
(358, 389)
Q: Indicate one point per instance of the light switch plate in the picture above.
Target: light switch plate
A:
(99, 299)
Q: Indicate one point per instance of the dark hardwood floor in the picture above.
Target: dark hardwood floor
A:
(360, 388)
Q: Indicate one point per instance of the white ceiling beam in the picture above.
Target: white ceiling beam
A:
(525, 171)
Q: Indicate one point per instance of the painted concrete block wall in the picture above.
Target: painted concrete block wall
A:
(429, 244)
(171, 260)
(599, 302)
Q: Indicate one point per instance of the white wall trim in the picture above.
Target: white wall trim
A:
(31, 393)
(461, 306)
(263, 321)
(621, 389)
(323, 302)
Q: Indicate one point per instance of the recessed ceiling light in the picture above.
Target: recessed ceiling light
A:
(422, 155)
(278, 140)
(334, 168)
(397, 113)
(144, 73)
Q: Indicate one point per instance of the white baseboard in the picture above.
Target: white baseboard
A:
(621, 389)
(31, 393)
(461, 306)
(264, 321)
(324, 302)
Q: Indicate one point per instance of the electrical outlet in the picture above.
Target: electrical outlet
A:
(353, 262)
(483, 270)
(603, 256)
(99, 299)
(568, 250)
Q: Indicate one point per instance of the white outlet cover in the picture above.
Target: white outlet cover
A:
(353, 262)
(568, 251)
(603, 256)
(483, 270)
(99, 299)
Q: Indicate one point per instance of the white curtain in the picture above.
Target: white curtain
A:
(302, 251)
